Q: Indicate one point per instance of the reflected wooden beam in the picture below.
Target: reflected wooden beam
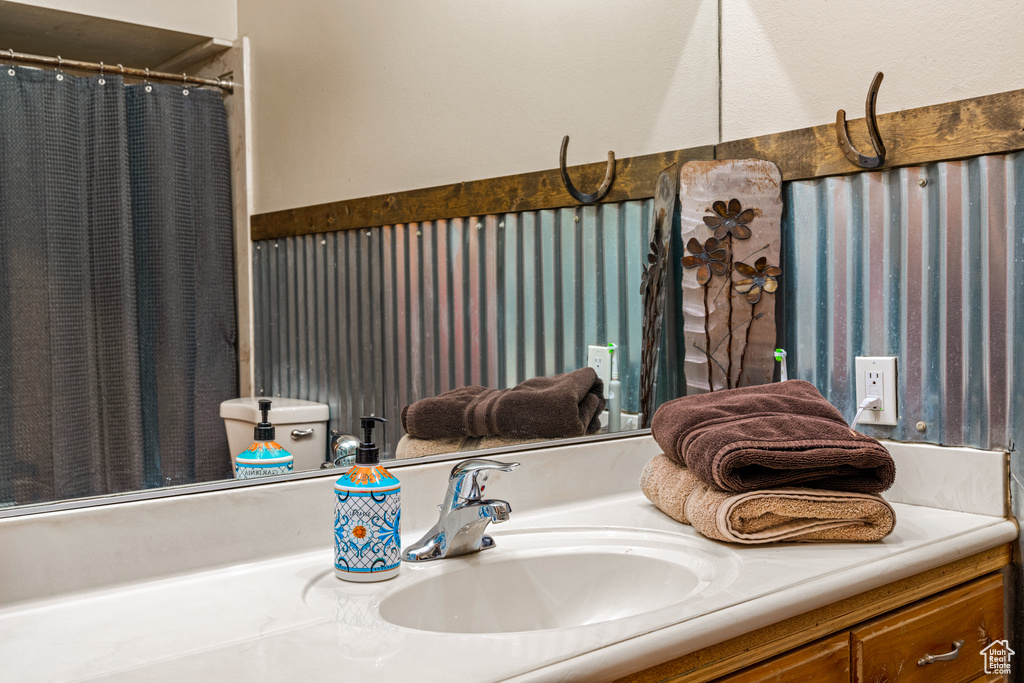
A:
(635, 178)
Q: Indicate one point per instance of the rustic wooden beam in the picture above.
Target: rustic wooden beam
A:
(635, 178)
(991, 124)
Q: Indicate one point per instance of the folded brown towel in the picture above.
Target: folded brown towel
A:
(411, 447)
(793, 514)
(767, 436)
(565, 405)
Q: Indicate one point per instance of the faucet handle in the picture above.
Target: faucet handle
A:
(476, 471)
(474, 465)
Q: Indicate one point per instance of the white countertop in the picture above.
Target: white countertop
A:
(251, 622)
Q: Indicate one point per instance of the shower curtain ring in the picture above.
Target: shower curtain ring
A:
(101, 81)
(60, 68)
(149, 88)
(10, 69)
(184, 84)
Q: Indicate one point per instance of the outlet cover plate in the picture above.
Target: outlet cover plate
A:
(600, 359)
(886, 365)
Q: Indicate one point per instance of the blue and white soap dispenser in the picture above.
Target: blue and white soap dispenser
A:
(265, 457)
(367, 516)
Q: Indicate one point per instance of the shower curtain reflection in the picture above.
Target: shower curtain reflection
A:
(117, 314)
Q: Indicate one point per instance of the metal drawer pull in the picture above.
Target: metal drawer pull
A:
(948, 657)
(301, 433)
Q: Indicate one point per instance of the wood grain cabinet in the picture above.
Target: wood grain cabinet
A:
(894, 648)
(962, 621)
(911, 644)
(826, 661)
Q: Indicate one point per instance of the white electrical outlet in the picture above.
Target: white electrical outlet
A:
(600, 359)
(876, 376)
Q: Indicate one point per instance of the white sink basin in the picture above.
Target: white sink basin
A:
(545, 579)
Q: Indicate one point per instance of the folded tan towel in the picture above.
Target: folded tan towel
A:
(769, 516)
(411, 447)
(565, 405)
(772, 435)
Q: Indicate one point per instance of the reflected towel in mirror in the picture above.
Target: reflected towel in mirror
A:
(411, 447)
(556, 407)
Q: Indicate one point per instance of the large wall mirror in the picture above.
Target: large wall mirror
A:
(370, 320)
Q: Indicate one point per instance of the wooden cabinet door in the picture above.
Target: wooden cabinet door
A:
(888, 649)
(824, 661)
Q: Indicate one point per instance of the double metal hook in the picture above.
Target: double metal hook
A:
(594, 197)
(843, 136)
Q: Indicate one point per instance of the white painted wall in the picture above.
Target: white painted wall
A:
(792, 63)
(353, 98)
(213, 18)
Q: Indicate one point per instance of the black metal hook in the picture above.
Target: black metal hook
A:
(609, 177)
(869, 116)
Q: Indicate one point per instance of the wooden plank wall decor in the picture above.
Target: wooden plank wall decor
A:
(991, 124)
(730, 216)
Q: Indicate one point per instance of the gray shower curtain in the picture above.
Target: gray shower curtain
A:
(117, 306)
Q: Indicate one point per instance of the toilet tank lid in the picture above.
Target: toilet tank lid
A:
(283, 411)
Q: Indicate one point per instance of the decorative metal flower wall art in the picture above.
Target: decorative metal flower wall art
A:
(652, 269)
(707, 259)
(656, 291)
(760, 277)
(730, 220)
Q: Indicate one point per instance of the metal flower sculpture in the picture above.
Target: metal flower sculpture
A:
(730, 220)
(652, 269)
(759, 278)
(707, 259)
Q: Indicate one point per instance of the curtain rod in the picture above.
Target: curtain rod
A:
(59, 62)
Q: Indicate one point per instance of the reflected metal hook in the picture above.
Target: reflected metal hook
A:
(843, 136)
(594, 197)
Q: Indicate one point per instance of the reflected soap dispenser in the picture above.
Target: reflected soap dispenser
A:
(367, 515)
(265, 457)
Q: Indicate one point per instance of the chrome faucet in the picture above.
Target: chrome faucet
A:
(464, 514)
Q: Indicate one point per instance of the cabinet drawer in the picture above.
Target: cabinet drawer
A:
(826, 661)
(887, 650)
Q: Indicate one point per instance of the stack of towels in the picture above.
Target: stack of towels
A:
(768, 463)
(565, 405)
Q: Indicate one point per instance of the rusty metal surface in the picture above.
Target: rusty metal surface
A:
(730, 213)
(843, 136)
(924, 263)
(600, 192)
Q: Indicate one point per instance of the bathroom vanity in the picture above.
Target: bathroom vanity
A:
(585, 583)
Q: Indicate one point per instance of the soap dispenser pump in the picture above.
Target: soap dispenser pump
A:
(367, 515)
(265, 457)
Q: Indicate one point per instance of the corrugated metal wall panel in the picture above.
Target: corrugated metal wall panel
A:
(369, 321)
(878, 264)
(304, 348)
